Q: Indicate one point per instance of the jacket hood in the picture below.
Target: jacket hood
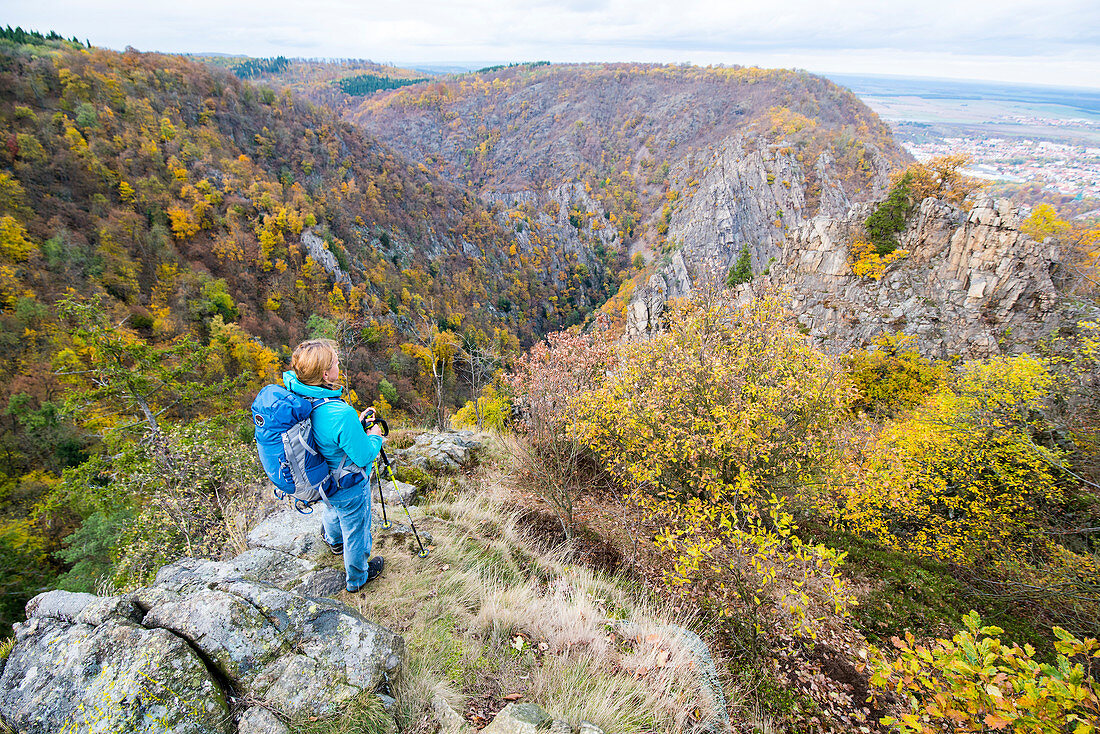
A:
(296, 386)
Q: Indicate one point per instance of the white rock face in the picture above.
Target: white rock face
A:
(744, 198)
(315, 246)
(972, 284)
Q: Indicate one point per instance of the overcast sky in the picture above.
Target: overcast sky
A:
(1044, 42)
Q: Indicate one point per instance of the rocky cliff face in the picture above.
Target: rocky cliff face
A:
(752, 197)
(972, 284)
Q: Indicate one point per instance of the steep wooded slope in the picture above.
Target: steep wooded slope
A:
(672, 160)
(149, 175)
(622, 126)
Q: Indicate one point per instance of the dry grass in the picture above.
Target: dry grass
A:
(485, 616)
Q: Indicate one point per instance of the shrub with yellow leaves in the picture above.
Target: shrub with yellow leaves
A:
(709, 424)
(866, 262)
(975, 683)
(891, 375)
(728, 403)
(960, 478)
(495, 409)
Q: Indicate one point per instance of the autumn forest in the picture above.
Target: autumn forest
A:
(921, 529)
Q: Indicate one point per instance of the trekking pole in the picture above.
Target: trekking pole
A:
(389, 470)
(369, 419)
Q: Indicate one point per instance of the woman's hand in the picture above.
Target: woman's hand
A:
(367, 416)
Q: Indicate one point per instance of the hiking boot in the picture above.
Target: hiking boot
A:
(336, 548)
(374, 570)
(374, 567)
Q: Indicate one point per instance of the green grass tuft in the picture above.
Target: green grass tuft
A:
(364, 714)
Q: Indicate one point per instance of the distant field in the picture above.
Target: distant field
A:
(1083, 101)
(921, 110)
(1023, 135)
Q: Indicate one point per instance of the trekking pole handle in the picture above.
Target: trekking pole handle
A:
(369, 417)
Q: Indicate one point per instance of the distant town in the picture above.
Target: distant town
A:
(1070, 169)
(1015, 135)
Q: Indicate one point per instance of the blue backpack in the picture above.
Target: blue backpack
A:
(288, 454)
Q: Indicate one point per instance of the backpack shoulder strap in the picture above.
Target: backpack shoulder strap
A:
(318, 402)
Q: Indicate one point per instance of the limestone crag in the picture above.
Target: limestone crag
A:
(440, 452)
(744, 197)
(972, 284)
(185, 653)
(315, 246)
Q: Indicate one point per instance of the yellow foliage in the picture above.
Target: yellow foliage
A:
(76, 141)
(1044, 222)
(1081, 239)
(336, 300)
(125, 191)
(725, 392)
(494, 407)
(183, 222)
(14, 245)
(940, 177)
(960, 479)
(238, 354)
(974, 683)
(867, 263)
(785, 121)
(891, 376)
(707, 423)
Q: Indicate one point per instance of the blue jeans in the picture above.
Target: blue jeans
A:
(347, 521)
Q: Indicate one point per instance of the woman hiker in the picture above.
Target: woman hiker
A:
(349, 451)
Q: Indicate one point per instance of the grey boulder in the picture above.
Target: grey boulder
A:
(108, 678)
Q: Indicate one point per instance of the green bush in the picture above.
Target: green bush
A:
(741, 272)
(388, 391)
(420, 479)
(175, 494)
(89, 550)
(888, 220)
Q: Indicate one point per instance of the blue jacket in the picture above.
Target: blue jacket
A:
(336, 427)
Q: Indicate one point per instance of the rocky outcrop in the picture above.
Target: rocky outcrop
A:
(441, 452)
(86, 664)
(315, 247)
(972, 284)
(187, 652)
(752, 198)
